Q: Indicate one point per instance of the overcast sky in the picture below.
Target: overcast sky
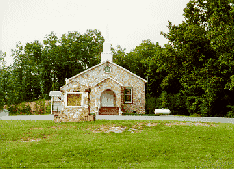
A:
(129, 21)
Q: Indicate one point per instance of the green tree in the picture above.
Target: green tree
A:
(40, 68)
(119, 56)
(75, 53)
(143, 62)
(3, 77)
(140, 61)
(199, 54)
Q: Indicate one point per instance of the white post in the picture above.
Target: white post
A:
(51, 103)
(96, 107)
(120, 112)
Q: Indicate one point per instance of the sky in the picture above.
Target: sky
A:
(129, 21)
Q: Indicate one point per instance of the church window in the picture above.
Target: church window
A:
(74, 99)
(128, 95)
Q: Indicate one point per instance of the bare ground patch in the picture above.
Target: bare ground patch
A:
(135, 128)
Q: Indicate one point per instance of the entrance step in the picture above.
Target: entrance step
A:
(109, 111)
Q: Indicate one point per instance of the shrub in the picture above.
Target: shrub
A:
(150, 104)
(153, 103)
(20, 110)
(159, 114)
(26, 110)
(13, 110)
(130, 114)
(41, 108)
(195, 115)
(230, 113)
(48, 109)
(177, 104)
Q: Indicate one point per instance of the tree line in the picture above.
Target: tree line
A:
(193, 73)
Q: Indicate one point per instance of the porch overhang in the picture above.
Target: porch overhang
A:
(54, 94)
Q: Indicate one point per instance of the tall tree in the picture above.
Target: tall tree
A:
(140, 60)
(42, 68)
(3, 77)
(196, 54)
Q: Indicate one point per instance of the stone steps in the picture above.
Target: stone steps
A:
(109, 111)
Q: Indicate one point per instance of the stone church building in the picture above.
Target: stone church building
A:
(104, 89)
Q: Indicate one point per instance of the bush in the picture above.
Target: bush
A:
(150, 104)
(195, 115)
(129, 114)
(230, 114)
(48, 109)
(153, 103)
(13, 110)
(177, 104)
(159, 114)
(41, 108)
(26, 110)
(20, 110)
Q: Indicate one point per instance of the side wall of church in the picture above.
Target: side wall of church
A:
(138, 89)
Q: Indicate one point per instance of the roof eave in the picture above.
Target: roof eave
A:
(107, 78)
(73, 77)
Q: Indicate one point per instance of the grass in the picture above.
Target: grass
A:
(83, 145)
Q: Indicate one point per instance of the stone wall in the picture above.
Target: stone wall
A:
(73, 114)
(138, 104)
(62, 117)
(97, 91)
(91, 78)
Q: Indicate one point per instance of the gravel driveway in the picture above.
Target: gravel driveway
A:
(169, 117)
(114, 117)
(28, 117)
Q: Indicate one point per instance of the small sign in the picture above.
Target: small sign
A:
(107, 69)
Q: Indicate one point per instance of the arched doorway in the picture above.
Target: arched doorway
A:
(108, 98)
(108, 103)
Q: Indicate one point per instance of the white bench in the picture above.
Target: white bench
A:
(163, 111)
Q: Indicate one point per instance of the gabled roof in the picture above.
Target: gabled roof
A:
(108, 78)
(73, 77)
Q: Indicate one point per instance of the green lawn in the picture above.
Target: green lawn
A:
(82, 145)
